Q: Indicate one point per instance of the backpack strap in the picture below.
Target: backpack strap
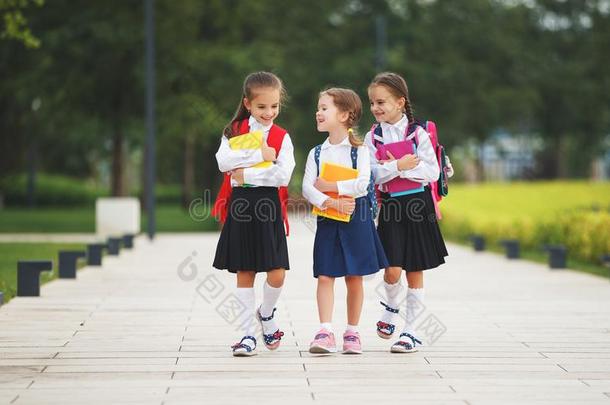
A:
(354, 155)
(316, 157)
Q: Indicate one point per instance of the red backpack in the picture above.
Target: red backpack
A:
(274, 140)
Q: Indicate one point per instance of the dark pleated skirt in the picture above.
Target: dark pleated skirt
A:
(348, 248)
(253, 236)
(409, 231)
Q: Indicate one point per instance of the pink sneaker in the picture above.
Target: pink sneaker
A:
(351, 343)
(324, 342)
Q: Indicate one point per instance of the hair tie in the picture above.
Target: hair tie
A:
(350, 131)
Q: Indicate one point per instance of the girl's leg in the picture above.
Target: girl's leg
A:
(271, 293)
(409, 341)
(355, 297)
(326, 298)
(324, 341)
(245, 293)
(415, 299)
(392, 286)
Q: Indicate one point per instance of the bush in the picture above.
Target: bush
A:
(534, 213)
(50, 191)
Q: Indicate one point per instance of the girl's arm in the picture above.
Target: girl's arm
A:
(427, 169)
(360, 184)
(382, 172)
(229, 159)
(310, 192)
(278, 175)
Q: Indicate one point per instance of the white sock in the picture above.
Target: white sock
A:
(327, 325)
(392, 293)
(270, 297)
(248, 325)
(415, 302)
(352, 328)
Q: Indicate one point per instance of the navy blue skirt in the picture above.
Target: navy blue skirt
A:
(348, 248)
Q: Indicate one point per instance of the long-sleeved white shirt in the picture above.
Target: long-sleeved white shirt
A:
(427, 169)
(338, 154)
(275, 176)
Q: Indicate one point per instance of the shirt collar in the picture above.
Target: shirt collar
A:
(344, 142)
(257, 126)
(400, 126)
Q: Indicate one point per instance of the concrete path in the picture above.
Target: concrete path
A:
(154, 325)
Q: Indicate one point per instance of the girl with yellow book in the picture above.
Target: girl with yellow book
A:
(255, 152)
(336, 180)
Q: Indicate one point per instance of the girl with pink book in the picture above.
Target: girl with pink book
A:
(407, 224)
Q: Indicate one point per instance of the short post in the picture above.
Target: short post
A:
(512, 247)
(478, 242)
(94, 254)
(67, 263)
(557, 256)
(114, 246)
(128, 240)
(1, 298)
(28, 276)
(605, 259)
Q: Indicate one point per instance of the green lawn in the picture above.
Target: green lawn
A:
(170, 218)
(11, 253)
(573, 213)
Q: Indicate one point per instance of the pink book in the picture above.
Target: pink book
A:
(399, 186)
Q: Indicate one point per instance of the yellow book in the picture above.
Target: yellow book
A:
(251, 140)
(334, 172)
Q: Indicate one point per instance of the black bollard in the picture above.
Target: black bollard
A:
(128, 240)
(114, 246)
(605, 259)
(67, 263)
(478, 242)
(28, 276)
(512, 247)
(94, 254)
(557, 256)
(1, 298)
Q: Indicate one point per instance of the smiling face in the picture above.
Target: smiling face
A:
(264, 106)
(328, 116)
(385, 106)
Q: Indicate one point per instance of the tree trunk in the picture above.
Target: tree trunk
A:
(188, 179)
(117, 183)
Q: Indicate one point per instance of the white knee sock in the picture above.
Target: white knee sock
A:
(415, 302)
(246, 296)
(392, 293)
(270, 298)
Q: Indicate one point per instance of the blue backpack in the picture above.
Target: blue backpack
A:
(370, 196)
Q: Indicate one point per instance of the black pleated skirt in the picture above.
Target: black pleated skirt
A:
(253, 236)
(409, 231)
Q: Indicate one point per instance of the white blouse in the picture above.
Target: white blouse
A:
(427, 169)
(339, 154)
(277, 175)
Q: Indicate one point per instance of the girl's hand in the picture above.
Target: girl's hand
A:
(238, 176)
(325, 186)
(344, 205)
(407, 162)
(269, 154)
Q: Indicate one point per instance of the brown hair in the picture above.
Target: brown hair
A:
(253, 81)
(397, 86)
(347, 100)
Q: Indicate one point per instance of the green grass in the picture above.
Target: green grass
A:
(11, 253)
(170, 218)
(573, 213)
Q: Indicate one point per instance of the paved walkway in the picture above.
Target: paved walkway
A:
(153, 326)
